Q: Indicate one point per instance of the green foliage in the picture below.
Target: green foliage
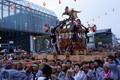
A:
(42, 43)
(103, 40)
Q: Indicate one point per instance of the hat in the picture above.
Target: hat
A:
(36, 65)
(29, 64)
(107, 64)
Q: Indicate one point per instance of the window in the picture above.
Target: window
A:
(0, 14)
(18, 18)
(12, 17)
(5, 16)
(23, 19)
(28, 19)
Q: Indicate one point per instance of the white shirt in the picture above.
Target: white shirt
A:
(80, 76)
(42, 78)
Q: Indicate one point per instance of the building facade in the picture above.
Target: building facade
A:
(91, 43)
(103, 37)
(21, 24)
(114, 40)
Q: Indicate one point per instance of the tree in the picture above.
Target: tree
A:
(41, 43)
(96, 39)
(103, 40)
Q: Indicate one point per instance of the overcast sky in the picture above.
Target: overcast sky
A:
(91, 9)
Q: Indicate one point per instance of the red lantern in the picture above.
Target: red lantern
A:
(28, 5)
(46, 28)
(98, 16)
(87, 22)
(75, 0)
(44, 3)
(59, 1)
(94, 28)
(12, 7)
(105, 13)
(92, 19)
(113, 10)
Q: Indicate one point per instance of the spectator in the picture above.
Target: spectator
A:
(60, 62)
(28, 72)
(19, 66)
(11, 74)
(36, 72)
(88, 72)
(47, 71)
(92, 67)
(118, 71)
(44, 61)
(19, 58)
(14, 57)
(80, 63)
(76, 74)
(53, 64)
(106, 74)
(116, 58)
(32, 58)
(0, 65)
(1, 58)
(97, 67)
(100, 64)
(68, 66)
(79, 75)
(5, 58)
(112, 66)
(59, 75)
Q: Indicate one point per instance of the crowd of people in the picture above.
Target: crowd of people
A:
(106, 69)
(95, 50)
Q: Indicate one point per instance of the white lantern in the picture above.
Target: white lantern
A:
(66, 35)
(80, 35)
(62, 35)
(70, 36)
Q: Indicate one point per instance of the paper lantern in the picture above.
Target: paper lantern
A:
(105, 13)
(12, 7)
(113, 10)
(44, 3)
(92, 19)
(87, 22)
(46, 28)
(75, 0)
(28, 5)
(94, 28)
(98, 16)
(59, 1)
